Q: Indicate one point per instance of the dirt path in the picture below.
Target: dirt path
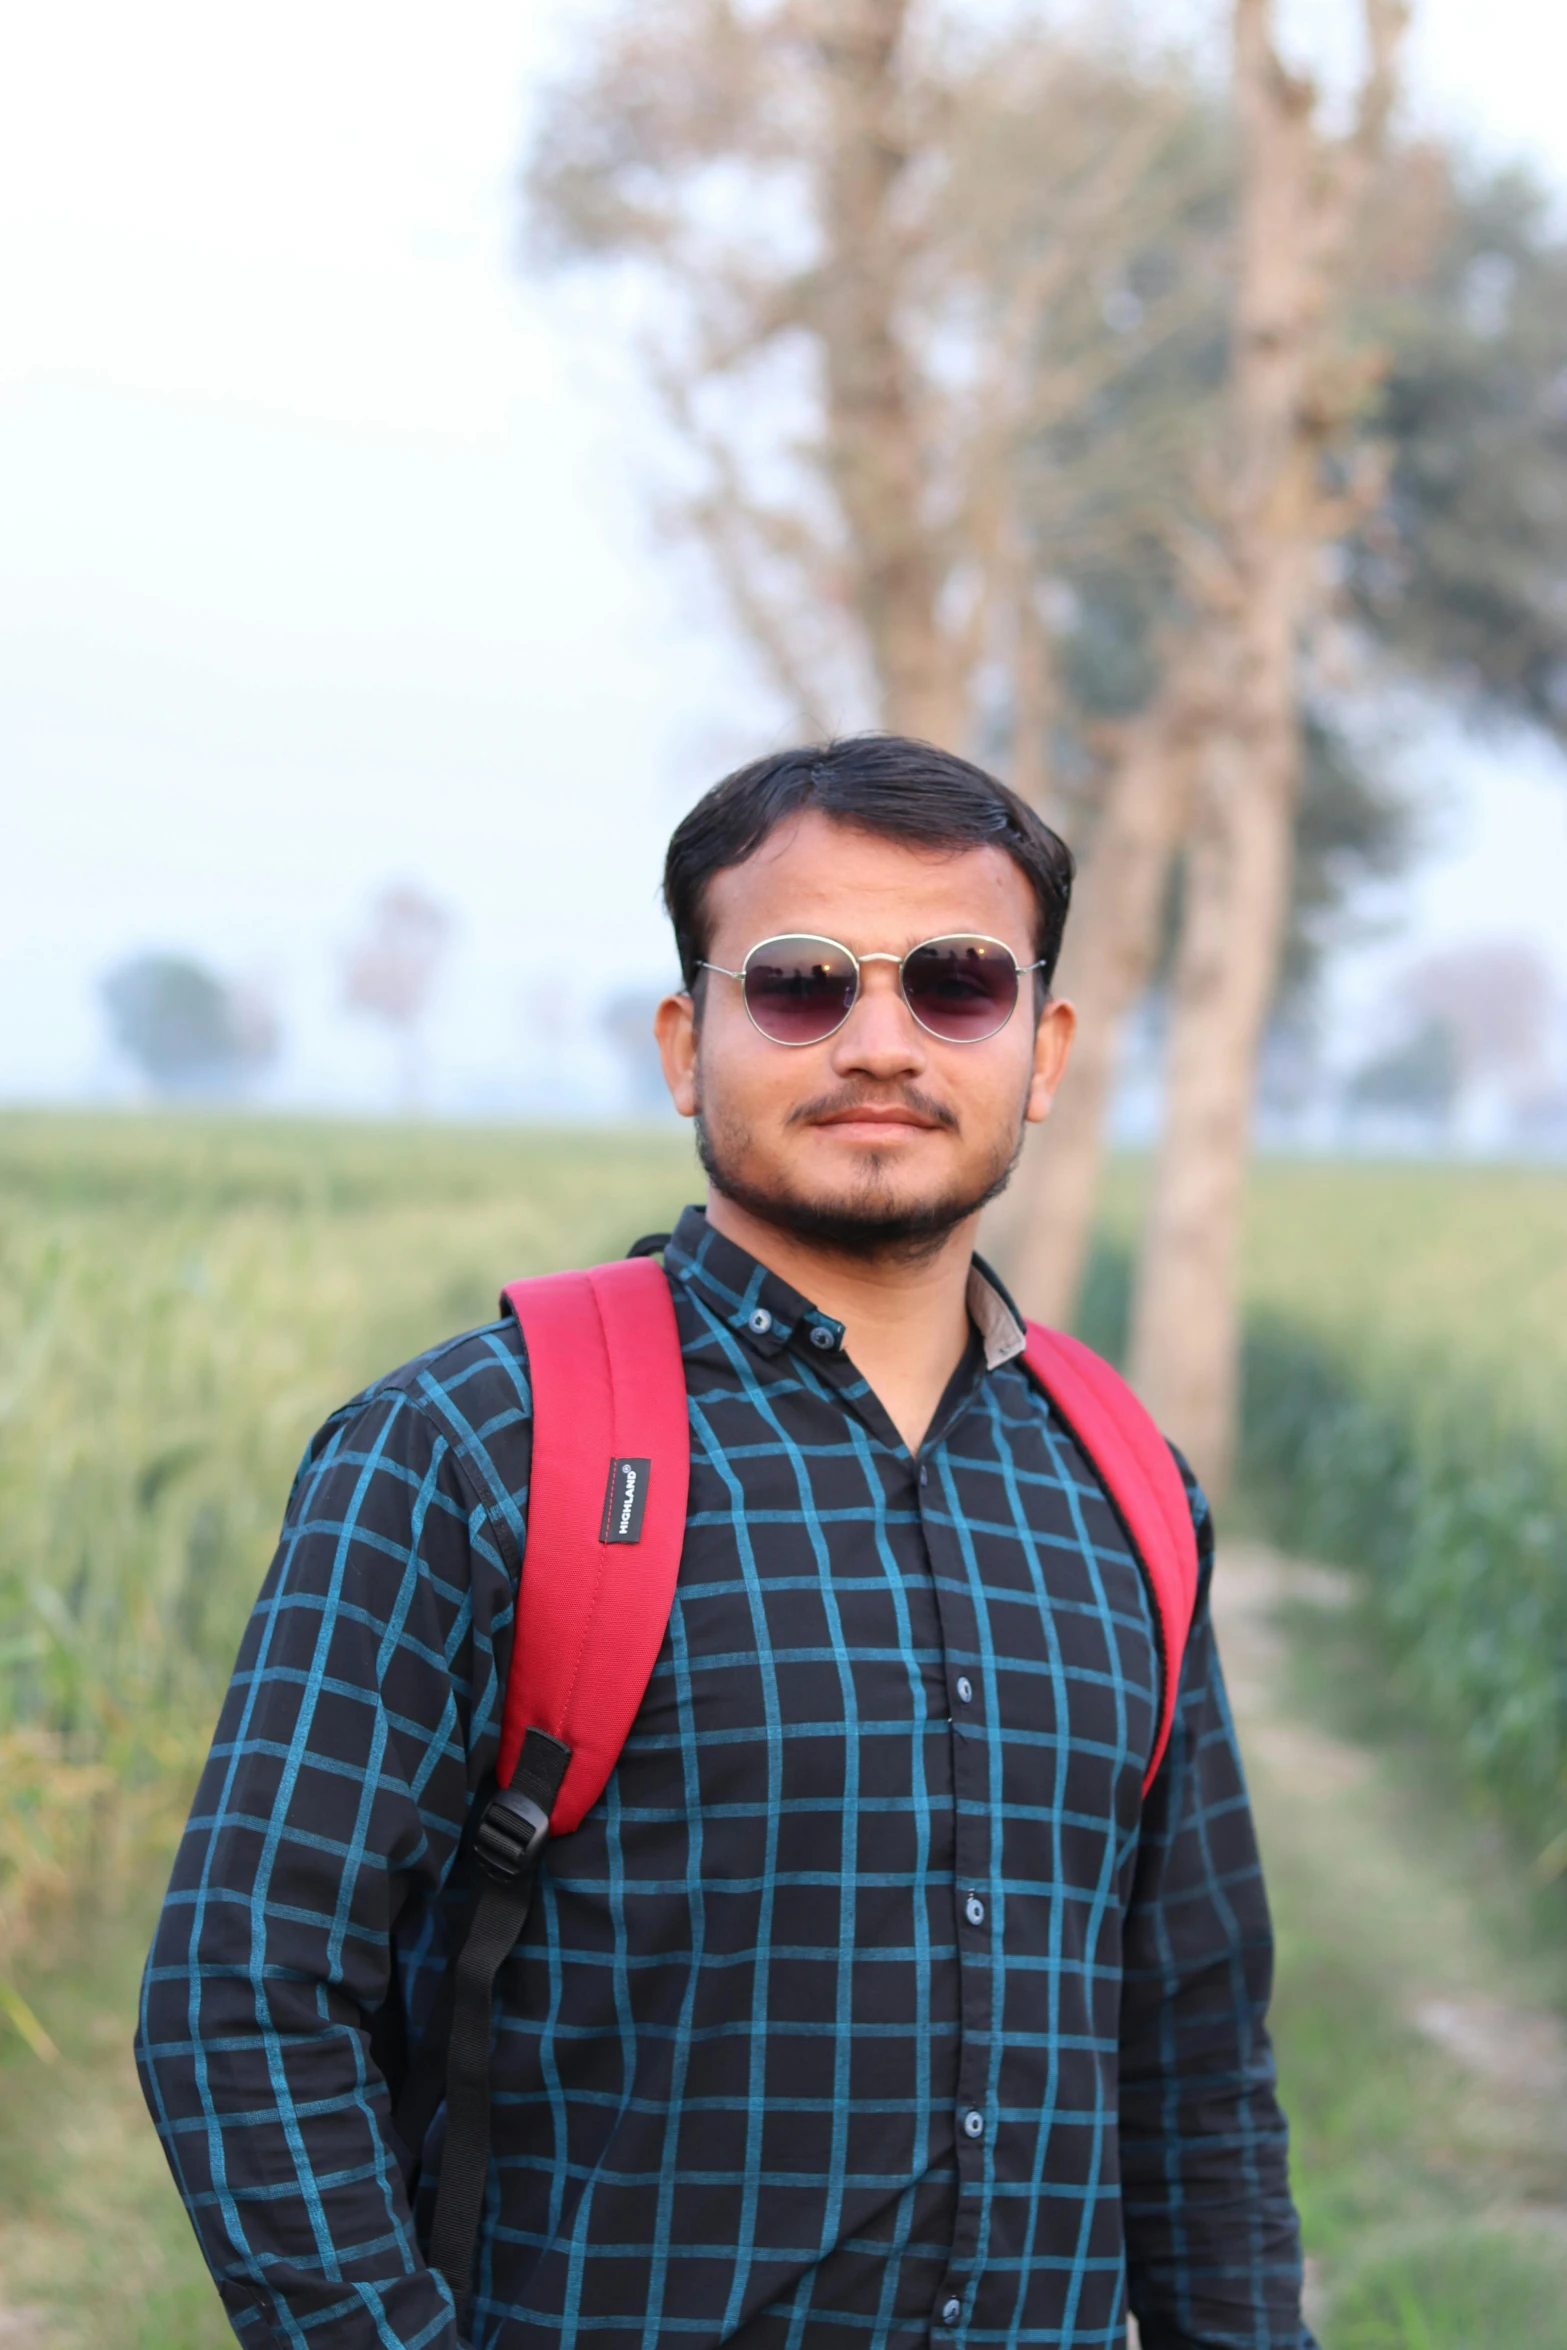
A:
(1410, 1896)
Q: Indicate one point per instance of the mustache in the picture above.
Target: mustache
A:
(861, 1097)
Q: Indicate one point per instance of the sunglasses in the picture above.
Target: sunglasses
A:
(800, 990)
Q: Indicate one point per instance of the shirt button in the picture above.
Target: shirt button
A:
(974, 1910)
(822, 1337)
(761, 1321)
(951, 2311)
(965, 1687)
(973, 2124)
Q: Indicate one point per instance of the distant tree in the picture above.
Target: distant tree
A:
(1476, 1016)
(1416, 1078)
(390, 972)
(1495, 999)
(188, 1030)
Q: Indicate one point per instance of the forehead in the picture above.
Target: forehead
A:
(868, 892)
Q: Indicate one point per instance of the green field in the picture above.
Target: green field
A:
(181, 1303)
(1462, 1269)
(182, 1300)
(1406, 1360)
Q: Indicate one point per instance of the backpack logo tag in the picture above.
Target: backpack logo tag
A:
(624, 1501)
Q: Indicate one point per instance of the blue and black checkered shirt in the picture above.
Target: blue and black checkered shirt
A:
(871, 2005)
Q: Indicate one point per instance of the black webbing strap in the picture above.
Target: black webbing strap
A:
(510, 1838)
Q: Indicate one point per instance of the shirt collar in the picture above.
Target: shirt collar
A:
(994, 1316)
(768, 1313)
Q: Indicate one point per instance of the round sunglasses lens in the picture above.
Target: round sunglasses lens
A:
(961, 989)
(798, 990)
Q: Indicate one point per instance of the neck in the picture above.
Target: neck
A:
(905, 1322)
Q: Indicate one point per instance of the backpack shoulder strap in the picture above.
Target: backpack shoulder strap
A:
(1144, 1486)
(606, 1523)
(606, 1516)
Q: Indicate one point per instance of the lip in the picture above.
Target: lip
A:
(868, 1115)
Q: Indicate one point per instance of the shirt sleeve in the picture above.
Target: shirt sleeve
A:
(1212, 2240)
(361, 1718)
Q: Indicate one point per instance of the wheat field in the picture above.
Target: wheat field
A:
(183, 1299)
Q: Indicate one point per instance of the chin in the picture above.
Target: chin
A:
(863, 1216)
(856, 1199)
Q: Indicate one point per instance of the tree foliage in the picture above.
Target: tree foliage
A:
(876, 264)
(187, 1030)
(390, 972)
(1463, 572)
(1065, 221)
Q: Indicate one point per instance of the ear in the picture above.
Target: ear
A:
(674, 1025)
(1052, 1044)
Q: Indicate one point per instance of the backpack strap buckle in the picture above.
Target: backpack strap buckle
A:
(510, 1836)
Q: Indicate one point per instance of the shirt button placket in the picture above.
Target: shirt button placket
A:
(971, 1858)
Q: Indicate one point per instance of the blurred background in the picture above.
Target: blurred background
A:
(429, 456)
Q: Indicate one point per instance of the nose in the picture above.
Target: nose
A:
(881, 1037)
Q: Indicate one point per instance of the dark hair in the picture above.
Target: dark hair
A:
(882, 783)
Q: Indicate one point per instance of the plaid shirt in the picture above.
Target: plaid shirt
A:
(871, 2005)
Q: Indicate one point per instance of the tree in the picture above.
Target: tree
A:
(1286, 491)
(1036, 357)
(1458, 573)
(389, 974)
(1449, 582)
(873, 260)
(1417, 1078)
(927, 313)
(188, 1031)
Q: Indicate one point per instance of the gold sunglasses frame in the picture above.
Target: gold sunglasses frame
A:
(818, 939)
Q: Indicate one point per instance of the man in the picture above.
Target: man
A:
(872, 2004)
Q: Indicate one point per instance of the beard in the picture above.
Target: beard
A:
(868, 1219)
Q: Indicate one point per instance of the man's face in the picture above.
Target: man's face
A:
(882, 1136)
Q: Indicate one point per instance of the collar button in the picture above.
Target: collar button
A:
(761, 1322)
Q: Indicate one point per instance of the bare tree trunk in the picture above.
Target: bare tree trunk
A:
(1034, 692)
(1112, 942)
(1185, 1336)
(873, 413)
(1300, 195)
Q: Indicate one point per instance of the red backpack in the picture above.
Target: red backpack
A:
(606, 1522)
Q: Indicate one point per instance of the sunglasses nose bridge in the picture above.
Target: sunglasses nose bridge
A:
(895, 985)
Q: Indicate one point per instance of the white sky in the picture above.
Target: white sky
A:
(322, 562)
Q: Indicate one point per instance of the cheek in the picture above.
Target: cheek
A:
(742, 1079)
(989, 1083)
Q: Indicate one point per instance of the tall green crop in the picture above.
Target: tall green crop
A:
(181, 1303)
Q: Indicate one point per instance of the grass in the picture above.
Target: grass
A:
(181, 1303)
(1423, 2192)
(1459, 1270)
(94, 2234)
(183, 1299)
(1405, 1358)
